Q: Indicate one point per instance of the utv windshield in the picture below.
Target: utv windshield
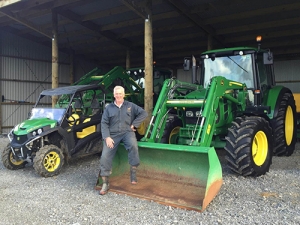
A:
(50, 113)
(237, 68)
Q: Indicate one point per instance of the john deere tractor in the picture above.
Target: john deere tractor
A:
(234, 105)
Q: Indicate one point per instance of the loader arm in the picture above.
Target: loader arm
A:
(171, 89)
(180, 97)
(119, 76)
(219, 88)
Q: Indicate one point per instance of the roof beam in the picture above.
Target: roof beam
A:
(139, 10)
(194, 18)
(8, 11)
(8, 2)
(94, 27)
(22, 20)
(253, 13)
(259, 26)
(26, 36)
(156, 17)
(110, 12)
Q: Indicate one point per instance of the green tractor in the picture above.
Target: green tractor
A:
(71, 128)
(236, 106)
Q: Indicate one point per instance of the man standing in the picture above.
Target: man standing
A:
(119, 121)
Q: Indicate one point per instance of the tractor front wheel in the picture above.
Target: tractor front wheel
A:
(48, 161)
(171, 131)
(9, 161)
(249, 146)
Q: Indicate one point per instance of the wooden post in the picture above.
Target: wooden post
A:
(127, 59)
(54, 55)
(148, 68)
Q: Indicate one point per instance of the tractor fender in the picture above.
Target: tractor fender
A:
(273, 98)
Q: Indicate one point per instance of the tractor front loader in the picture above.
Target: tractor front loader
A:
(185, 171)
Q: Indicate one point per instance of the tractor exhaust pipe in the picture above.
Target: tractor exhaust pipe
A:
(194, 71)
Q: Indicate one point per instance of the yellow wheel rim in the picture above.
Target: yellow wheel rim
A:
(259, 148)
(51, 161)
(13, 161)
(173, 135)
(289, 125)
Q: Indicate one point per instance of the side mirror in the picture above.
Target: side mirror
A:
(186, 64)
(268, 58)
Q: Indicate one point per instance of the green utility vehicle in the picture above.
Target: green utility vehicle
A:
(71, 128)
(53, 134)
(236, 106)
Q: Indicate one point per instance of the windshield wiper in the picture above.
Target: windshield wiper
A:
(237, 64)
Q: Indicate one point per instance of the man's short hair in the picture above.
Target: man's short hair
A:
(119, 88)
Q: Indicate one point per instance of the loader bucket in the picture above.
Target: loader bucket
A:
(177, 175)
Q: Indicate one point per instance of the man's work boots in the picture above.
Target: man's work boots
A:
(133, 178)
(105, 186)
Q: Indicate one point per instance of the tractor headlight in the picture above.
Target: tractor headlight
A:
(189, 114)
(198, 114)
(37, 132)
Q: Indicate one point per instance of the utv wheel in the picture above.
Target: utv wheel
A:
(9, 161)
(249, 146)
(171, 131)
(284, 126)
(48, 161)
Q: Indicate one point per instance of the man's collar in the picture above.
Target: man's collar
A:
(120, 104)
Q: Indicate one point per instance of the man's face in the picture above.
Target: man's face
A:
(119, 95)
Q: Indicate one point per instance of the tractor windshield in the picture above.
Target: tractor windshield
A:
(50, 113)
(237, 68)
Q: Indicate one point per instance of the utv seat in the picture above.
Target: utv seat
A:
(95, 106)
(78, 107)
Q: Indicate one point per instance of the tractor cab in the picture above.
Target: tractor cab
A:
(252, 66)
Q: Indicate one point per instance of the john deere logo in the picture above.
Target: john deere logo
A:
(18, 138)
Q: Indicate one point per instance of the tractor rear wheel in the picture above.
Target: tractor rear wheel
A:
(284, 126)
(9, 161)
(249, 146)
(48, 161)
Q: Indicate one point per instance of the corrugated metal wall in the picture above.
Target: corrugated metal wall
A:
(287, 73)
(25, 70)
